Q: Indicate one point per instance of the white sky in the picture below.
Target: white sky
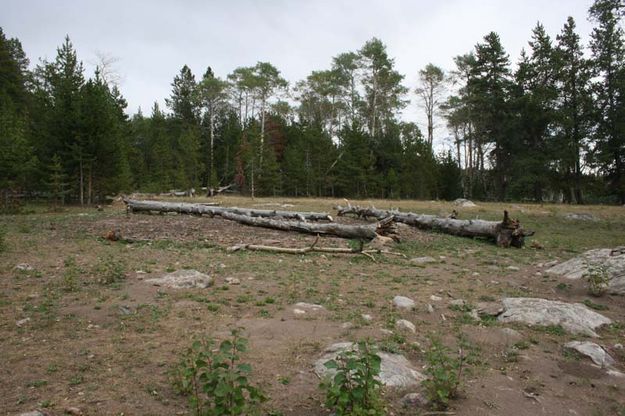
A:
(154, 39)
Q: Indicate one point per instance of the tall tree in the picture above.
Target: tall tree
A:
(608, 56)
(430, 91)
(183, 100)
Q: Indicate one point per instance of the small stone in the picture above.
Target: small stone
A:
(32, 413)
(475, 274)
(124, 310)
(183, 279)
(309, 306)
(618, 346)
(538, 274)
(458, 302)
(299, 311)
(405, 325)
(430, 308)
(403, 302)
(582, 216)
(489, 308)
(473, 314)
(74, 411)
(140, 272)
(366, 317)
(22, 322)
(386, 331)
(347, 325)
(464, 203)
(24, 267)
(513, 268)
(232, 281)
(423, 260)
(415, 400)
(550, 264)
(436, 298)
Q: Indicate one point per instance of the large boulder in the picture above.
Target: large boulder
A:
(183, 279)
(608, 260)
(395, 369)
(573, 317)
(593, 351)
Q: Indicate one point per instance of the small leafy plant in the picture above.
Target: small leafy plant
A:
(597, 278)
(110, 271)
(354, 389)
(216, 380)
(444, 373)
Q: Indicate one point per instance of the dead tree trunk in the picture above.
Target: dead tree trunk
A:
(505, 233)
(278, 220)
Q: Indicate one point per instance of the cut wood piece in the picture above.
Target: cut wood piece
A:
(385, 227)
(505, 233)
(135, 205)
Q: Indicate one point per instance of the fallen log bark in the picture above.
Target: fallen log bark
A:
(205, 209)
(505, 233)
(385, 227)
(213, 191)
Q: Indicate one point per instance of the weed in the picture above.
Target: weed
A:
(595, 306)
(110, 271)
(354, 389)
(216, 381)
(71, 275)
(3, 233)
(444, 372)
(552, 329)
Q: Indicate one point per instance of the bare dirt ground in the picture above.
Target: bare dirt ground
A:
(83, 329)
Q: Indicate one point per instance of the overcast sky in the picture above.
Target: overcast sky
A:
(154, 39)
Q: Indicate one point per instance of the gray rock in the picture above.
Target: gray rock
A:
(403, 302)
(405, 325)
(574, 317)
(24, 267)
(581, 216)
(32, 413)
(593, 351)
(611, 261)
(435, 298)
(430, 308)
(366, 317)
(464, 203)
(513, 268)
(423, 260)
(395, 369)
(309, 306)
(22, 322)
(458, 302)
(183, 279)
(232, 281)
(415, 400)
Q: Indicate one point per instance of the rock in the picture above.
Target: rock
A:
(183, 279)
(74, 411)
(396, 370)
(32, 413)
(232, 281)
(22, 322)
(513, 268)
(574, 317)
(366, 317)
(24, 267)
(436, 298)
(347, 325)
(593, 351)
(473, 314)
(430, 308)
(610, 261)
(124, 310)
(386, 331)
(489, 308)
(403, 302)
(415, 400)
(458, 302)
(405, 325)
(581, 216)
(618, 347)
(464, 203)
(550, 264)
(381, 242)
(423, 260)
(309, 306)
(299, 311)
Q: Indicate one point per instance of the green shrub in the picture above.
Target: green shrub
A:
(216, 380)
(597, 278)
(444, 373)
(354, 389)
(110, 271)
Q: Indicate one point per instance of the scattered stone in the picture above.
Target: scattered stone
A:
(309, 306)
(618, 346)
(415, 400)
(473, 314)
(513, 268)
(183, 279)
(347, 325)
(550, 263)
(299, 311)
(395, 369)
(366, 317)
(574, 317)
(489, 308)
(24, 267)
(386, 331)
(582, 216)
(423, 260)
(458, 302)
(380, 242)
(124, 310)
(403, 302)
(430, 308)
(232, 281)
(22, 322)
(610, 261)
(475, 274)
(32, 413)
(593, 351)
(74, 411)
(464, 203)
(436, 298)
(405, 325)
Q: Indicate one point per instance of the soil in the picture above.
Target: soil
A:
(103, 340)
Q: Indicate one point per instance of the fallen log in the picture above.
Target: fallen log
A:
(385, 227)
(211, 210)
(213, 191)
(505, 233)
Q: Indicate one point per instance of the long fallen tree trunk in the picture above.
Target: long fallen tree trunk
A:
(135, 205)
(505, 233)
(386, 227)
